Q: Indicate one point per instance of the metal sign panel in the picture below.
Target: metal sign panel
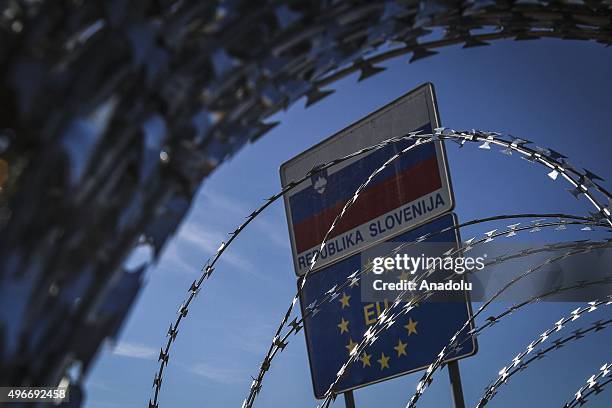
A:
(411, 344)
(412, 191)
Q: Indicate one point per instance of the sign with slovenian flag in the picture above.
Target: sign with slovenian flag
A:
(412, 196)
(412, 190)
(409, 198)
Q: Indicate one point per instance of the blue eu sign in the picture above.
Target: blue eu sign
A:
(410, 345)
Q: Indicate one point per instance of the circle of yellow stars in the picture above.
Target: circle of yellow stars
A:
(366, 358)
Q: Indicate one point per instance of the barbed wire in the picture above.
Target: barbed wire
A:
(388, 318)
(493, 320)
(516, 144)
(367, 66)
(440, 133)
(555, 161)
(592, 386)
(276, 343)
(209, 74)
(313, 308)
(577, 334)
(208, 268)
(518, 365)
(426, 379)
(547, 157)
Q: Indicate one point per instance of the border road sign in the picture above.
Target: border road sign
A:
(403, 202)
(414, 190)
(411, 344)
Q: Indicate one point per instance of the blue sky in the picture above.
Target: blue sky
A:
(555, 93)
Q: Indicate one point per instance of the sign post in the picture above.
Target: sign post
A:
(349, 399)
(410, 198)
(455, 381)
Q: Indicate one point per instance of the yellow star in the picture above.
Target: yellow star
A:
(365, 359)
(400, 348)
(383, 361)
(343, 326)
(351, 345)
(344, 300)
(411, 327)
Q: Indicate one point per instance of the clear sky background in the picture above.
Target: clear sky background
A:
(555, 93)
